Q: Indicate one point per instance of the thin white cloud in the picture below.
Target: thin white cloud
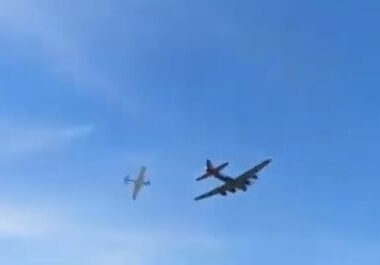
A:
(22, 222)
(147, 245)
(52, 231)
(60, 238)
(18, 139)
(47, 27)
(163, 242)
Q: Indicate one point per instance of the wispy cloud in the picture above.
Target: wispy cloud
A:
(89, 243)
(19, 222)
(46, 26)
(100, 244)
(23, 139)
(152, 245)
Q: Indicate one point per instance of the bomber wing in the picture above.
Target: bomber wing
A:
(219, 190)
(251, 173)
(262, 165)
(247, 175)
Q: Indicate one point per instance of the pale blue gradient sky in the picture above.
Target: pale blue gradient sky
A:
(90, 91)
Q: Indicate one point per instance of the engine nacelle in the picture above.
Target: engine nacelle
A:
(223, 193)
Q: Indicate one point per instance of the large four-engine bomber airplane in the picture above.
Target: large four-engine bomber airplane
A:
(212, 171)
(138, 183)
(239, 183)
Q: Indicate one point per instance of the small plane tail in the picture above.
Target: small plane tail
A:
(127, 180)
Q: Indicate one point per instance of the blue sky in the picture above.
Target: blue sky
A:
(91, 90)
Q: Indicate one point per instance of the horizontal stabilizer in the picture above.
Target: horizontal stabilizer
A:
(127, 180)
(222, 166)
(206, 175)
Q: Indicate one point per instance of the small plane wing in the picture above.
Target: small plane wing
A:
(141, 175)
(139, 182)
(136, 190)
(218, 190)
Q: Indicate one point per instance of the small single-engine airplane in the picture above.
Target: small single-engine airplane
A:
(138, 183)
(211, 170)
(239, 183)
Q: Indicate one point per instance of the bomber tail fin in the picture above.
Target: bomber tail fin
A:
(209, 164)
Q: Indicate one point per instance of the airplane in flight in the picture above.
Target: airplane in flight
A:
(239, 183)
(138, 183)
(211, 170)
